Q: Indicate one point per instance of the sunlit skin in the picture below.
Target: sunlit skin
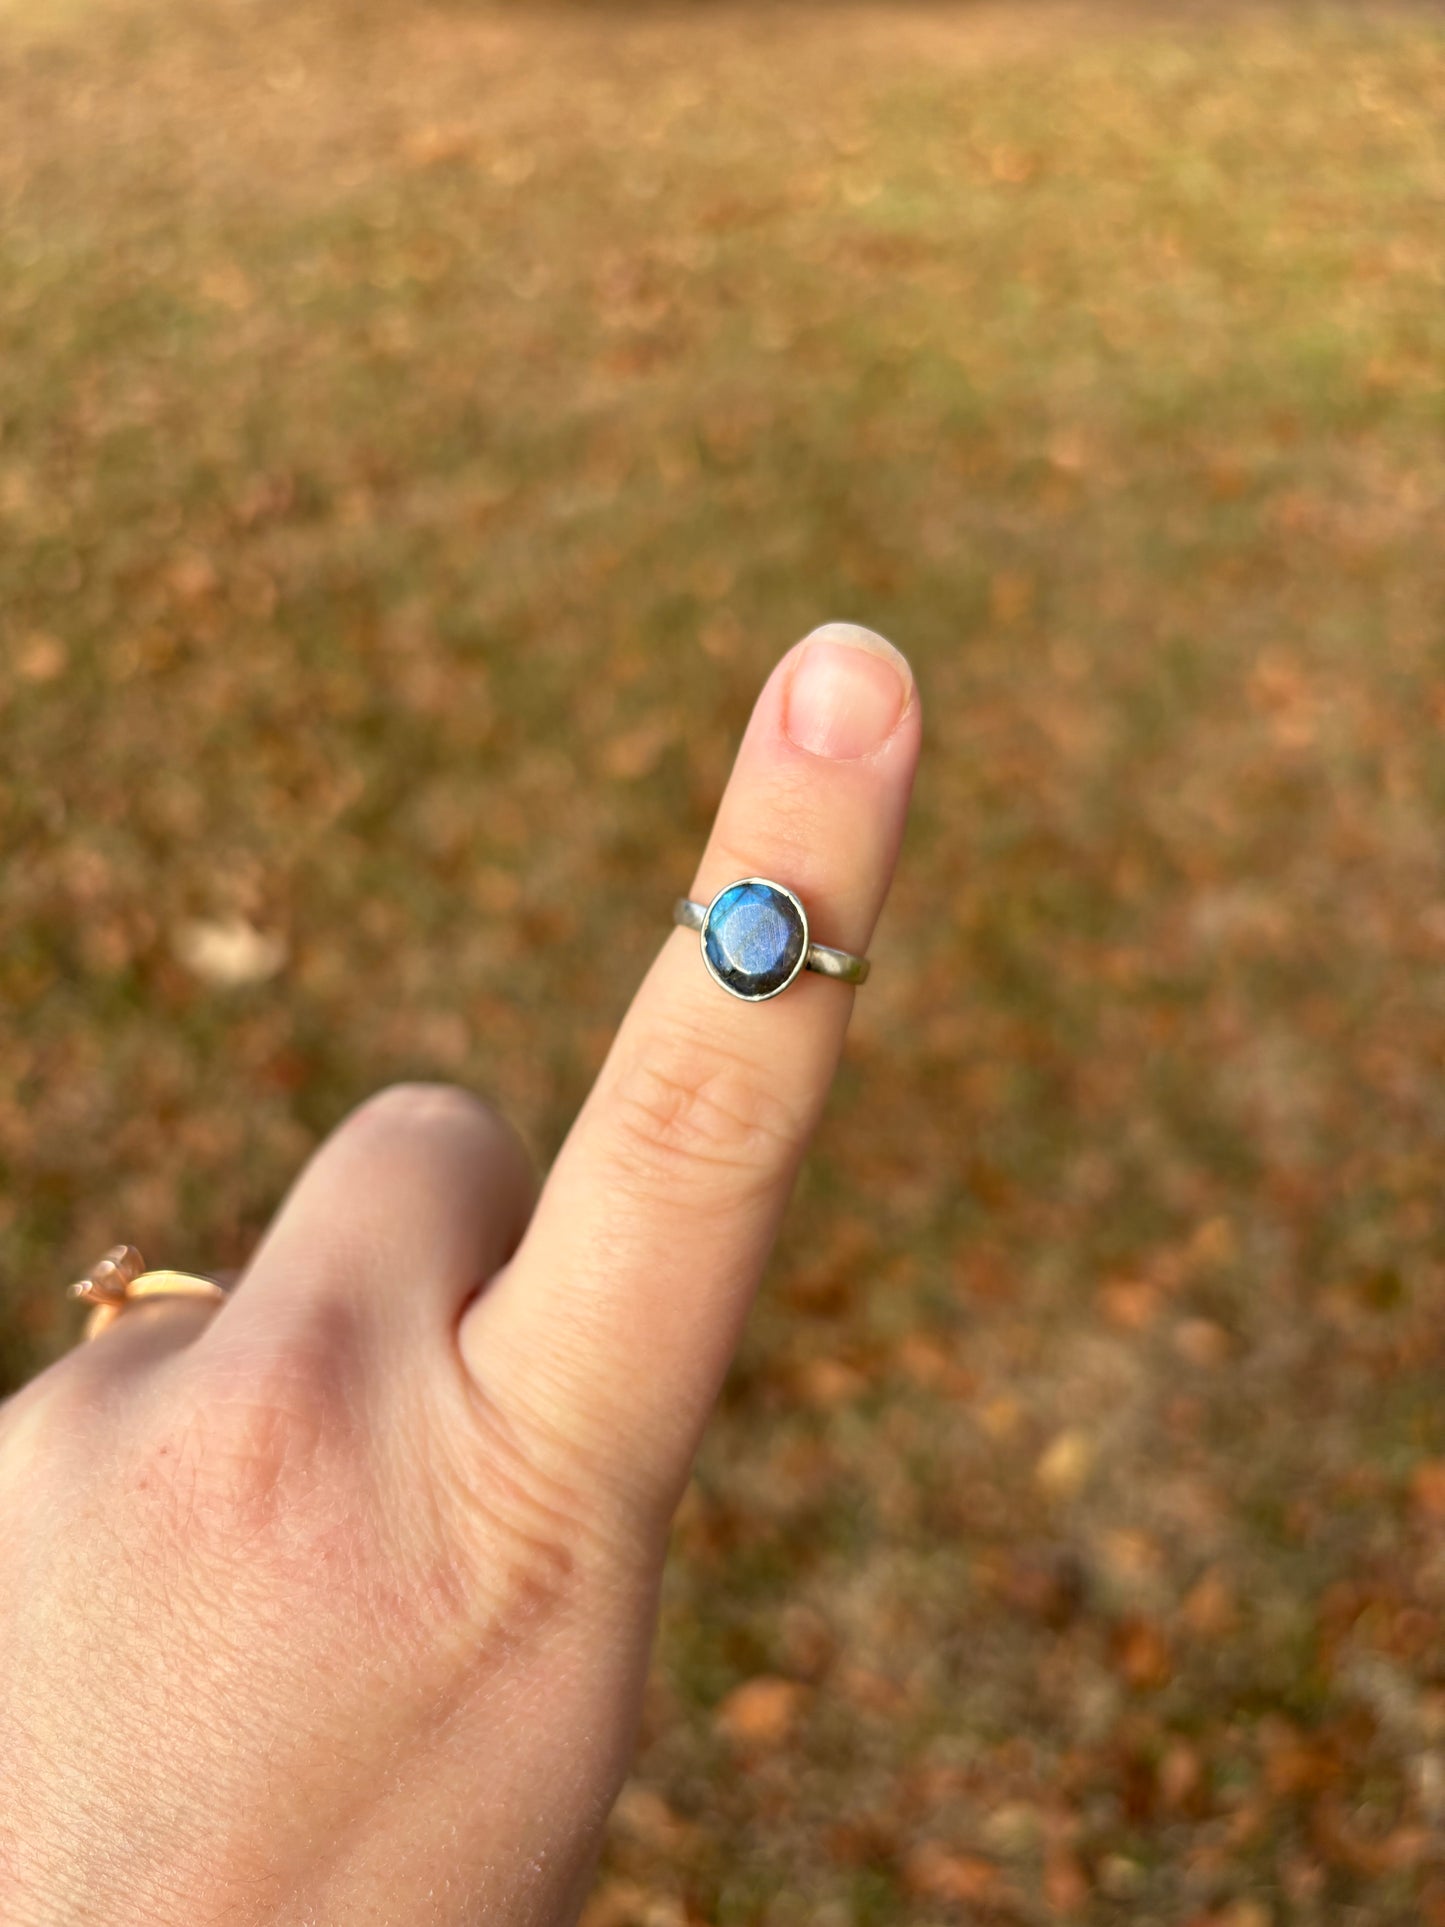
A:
(334, 1604)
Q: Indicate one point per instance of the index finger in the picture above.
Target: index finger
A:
(616, 1319)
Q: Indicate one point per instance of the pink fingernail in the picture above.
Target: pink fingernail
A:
(846, 693)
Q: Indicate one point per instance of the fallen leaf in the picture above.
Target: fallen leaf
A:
(866, 1687)
(642, 1812)
(1011, 596)
(637, 752)
(808, 1641)
(828, 1382)
(229, 952)
(1120, 1877)
(1013, 1829)
(1012, 166)
(957, 1879)
(1214, 1242)
(1294, 1762)
(1203, 1343)
(42, 658)
(1427, 1490)
(620, 1903)
(435, 144)
(192, 576)
(1048, 1584)
(1141, 1654)
(761, 1712)
(1209, 1610)
(1066, 1886)
(861, 1840)
(933, 1366)
(1001, 1417)
(1131, 1555)
(1129, 1304)
(1063, 1468)
(1181, 1775)
(1245, 1913)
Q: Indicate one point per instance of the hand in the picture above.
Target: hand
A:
(334, 1605)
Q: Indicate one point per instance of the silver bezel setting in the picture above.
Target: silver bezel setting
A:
(761, 996)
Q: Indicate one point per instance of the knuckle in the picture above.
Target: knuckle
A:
(235, 1458)
(536, 1536)
(420, 1116)
(422, 1106)
(254, 1478)
(681, 1102)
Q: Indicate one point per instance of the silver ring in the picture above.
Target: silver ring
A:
(754, 937)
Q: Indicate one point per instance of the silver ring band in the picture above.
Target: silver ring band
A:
(840, 964)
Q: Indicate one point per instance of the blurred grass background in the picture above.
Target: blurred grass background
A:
(419, 431)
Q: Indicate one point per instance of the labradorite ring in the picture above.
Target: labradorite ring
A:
(755, 940)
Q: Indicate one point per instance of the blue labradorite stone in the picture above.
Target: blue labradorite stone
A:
(753, 939)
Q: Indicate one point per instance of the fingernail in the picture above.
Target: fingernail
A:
(846, 693)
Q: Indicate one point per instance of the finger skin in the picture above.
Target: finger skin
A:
(94, 1375)
(616, 1320)
(405, 1211)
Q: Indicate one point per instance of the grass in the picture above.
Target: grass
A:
(417, 436)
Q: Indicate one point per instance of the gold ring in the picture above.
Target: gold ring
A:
(120, 1278)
